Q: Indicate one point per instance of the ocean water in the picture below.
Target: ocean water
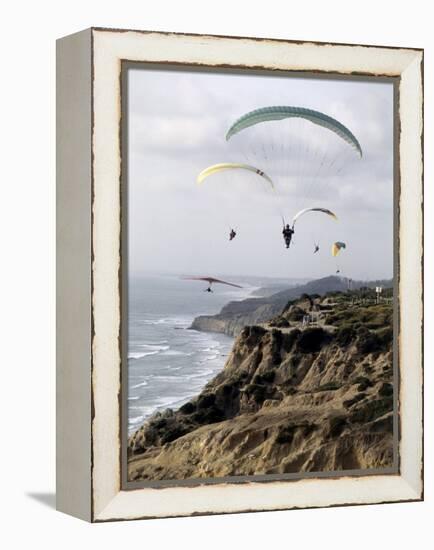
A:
(168, 363)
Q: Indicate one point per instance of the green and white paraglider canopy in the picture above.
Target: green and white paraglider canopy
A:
(267, 114)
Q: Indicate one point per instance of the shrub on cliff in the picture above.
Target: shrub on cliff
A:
(227, 397)
(210, 415)
(276, 346)
(264, 378)
(372, 317)
(363, 383)
(285, 435)
(230, 388)
(172, 433)
(385, 390)
(269, 376)
(370, 342)
(330, 386)
(386, 336)
(253, 334)
(307, 297)
(312, 339)
(345, 335)
(337, 424)
(162, 429)
(256, 391)
(288, 305)
(350, 402)
(333, 294)
(289, 339)
(295, 314)
(188, 408)
(279, 322)
(206, 401)
(372, 410)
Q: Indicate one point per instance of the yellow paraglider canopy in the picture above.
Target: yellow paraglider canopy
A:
(336, 247)
(215, 168)
(316, 209)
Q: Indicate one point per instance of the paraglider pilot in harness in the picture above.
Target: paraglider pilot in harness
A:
(287, 234)
(232, 234)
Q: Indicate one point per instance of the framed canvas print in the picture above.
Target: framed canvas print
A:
(240, 299)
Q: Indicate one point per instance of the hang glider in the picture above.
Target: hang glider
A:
(210, 281)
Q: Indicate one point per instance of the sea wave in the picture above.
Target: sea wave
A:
(177, 321)
(140, 385)
(201, 374)
(145, 411)
(163, 378)
(174, 352)
(139, 355)
(212, 348)
(152, 349)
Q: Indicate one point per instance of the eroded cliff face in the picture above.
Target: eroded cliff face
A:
(290, 399)
(232, 321)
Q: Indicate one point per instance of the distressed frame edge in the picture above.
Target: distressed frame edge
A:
(412, 161)
(73, 275)
(414, 493)
(251, 38)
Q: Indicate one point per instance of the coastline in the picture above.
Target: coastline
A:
(234, 316)
(167, 363)
(290, 399)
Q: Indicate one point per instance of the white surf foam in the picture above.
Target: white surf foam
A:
(152, 349)
(139, 355)
(140, 385)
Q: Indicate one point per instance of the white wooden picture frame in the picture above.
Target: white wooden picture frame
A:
(89, 308)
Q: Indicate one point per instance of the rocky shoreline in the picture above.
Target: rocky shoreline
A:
(293, 397)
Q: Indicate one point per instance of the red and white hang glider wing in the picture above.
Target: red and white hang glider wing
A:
(211, 280)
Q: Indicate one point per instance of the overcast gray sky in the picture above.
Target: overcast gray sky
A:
(177, 126)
